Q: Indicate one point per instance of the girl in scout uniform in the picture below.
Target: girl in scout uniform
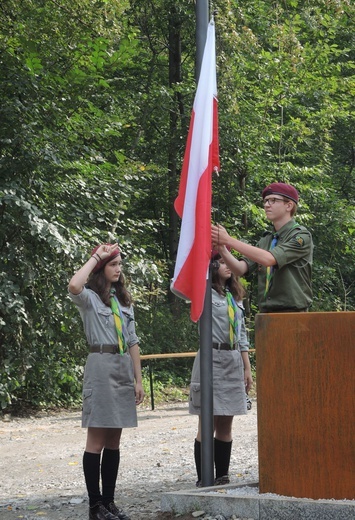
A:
(112, 379)
(232, 376)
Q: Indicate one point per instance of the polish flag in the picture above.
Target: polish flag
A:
(193, 203)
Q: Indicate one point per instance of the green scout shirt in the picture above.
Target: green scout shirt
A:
(290, 287)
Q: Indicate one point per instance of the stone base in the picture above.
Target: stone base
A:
(245, 501)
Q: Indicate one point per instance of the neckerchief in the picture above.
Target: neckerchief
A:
(233, 317)
(117, 314)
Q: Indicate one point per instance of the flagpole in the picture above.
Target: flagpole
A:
(206, 381)
(202, 19)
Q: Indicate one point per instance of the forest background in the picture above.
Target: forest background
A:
(96, 98)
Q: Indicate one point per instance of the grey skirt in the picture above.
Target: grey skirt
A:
(228, 384)
(108, 392)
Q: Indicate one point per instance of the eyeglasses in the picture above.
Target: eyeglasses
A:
(271, 201)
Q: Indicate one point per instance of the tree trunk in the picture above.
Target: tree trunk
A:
(176, 111)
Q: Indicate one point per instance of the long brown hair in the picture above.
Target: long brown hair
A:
(97, 282)
(233, 283)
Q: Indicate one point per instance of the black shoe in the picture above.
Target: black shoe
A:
(222, 481)
(99, 512)
(118, 513)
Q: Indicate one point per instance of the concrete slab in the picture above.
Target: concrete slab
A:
(245, 501)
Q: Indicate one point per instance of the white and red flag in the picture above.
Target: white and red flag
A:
(193, 203)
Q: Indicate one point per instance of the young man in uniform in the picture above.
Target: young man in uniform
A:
(283, 256)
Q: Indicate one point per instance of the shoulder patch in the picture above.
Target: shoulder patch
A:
(299, 240)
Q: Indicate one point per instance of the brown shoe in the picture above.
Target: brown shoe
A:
(118, 513)
(99, 512)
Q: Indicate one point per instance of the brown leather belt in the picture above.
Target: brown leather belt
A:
(104, 349)
(223, 346)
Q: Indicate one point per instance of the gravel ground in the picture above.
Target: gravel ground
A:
(41, 471)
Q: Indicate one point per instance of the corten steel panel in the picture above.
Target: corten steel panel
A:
(306, 403)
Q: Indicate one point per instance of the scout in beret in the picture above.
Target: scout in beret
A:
(232, 377)
(282, 258)
(112, 386)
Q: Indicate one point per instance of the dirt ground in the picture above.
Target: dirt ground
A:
(41, 463)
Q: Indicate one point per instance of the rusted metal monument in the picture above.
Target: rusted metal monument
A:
(306, 404)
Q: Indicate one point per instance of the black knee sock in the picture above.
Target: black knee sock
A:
(109, 469)
(222, 457)
(91, 467)
(197, 455)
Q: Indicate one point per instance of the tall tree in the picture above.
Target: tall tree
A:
(95, 106)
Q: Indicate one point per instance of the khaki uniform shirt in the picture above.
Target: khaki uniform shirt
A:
(98, 320)
(220, 322)
(290, 288)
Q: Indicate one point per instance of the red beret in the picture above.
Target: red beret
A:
(280, 188)
(102, 263)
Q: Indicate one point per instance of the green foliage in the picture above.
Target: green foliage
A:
(160, 334)
(96, 102)
(167, 387)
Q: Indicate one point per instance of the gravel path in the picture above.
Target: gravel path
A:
(41, 471)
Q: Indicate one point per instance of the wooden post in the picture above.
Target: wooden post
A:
(306, 404)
